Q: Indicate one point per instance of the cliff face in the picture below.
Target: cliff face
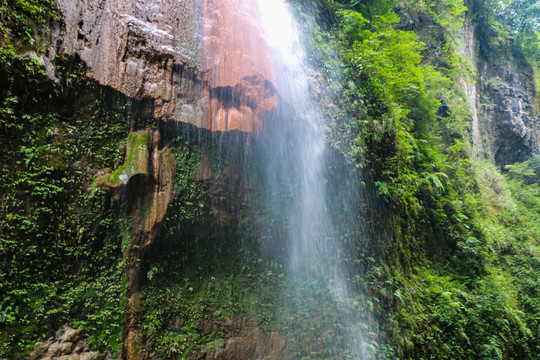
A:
(505, 126)
(200, 62)
(144, 49)
(240, 82)
(189, 222)
(203, 63)
(510, 117)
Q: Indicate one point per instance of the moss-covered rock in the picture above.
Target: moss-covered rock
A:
(136, 162)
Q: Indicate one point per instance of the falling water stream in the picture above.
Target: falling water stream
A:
(297, 161)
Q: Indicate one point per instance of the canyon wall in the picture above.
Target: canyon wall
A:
(503, 99)
(144, 49)
(201, 62)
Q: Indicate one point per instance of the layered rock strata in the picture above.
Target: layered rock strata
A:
(203, 62)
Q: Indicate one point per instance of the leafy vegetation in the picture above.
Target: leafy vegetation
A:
(444, 279)
(60, 241)
(458, 277)
(24, 21)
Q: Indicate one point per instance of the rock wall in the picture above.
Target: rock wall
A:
(505, 83)
(244, 341)
(505, 124)
(144, 49)
(147, 180)
(238, 70)
(203, 62)
(200, 62)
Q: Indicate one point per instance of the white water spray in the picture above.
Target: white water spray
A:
(298, 158)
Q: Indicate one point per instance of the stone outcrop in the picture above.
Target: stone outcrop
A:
(511, 118)
(144, 49)
(243, 107)
(243, 340)
(67, 344)
(203, 62)
(147, 177)
(136, 163)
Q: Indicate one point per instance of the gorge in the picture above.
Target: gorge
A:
(269, 179)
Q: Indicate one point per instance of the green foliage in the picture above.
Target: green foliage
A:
(458, 279)
(514, 23)
(369, 8)
(100, 299)
(439, 317)
(459, 273)
(527, 172)
(22, 21)
(482, 303)
(59, 242)
(177, 301)
(180, 297)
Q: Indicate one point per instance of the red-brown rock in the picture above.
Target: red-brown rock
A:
(237, 66)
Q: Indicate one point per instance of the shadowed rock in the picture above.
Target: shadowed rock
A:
(245, 340)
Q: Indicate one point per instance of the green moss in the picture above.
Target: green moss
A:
(136, 160)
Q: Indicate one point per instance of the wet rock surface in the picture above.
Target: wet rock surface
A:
(147, 178)
(202, 62)
(238, 71)
(67, 344)
(243, 340)
(243, 107)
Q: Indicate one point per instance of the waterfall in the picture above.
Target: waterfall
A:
(297, 160)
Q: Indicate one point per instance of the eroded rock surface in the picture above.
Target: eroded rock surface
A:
(136, 163)
(144, 49)
(147, 177)
(67, 344)
(504, 107)
(244, 340)
(511, 118)
(203, 62)
(237, 65)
